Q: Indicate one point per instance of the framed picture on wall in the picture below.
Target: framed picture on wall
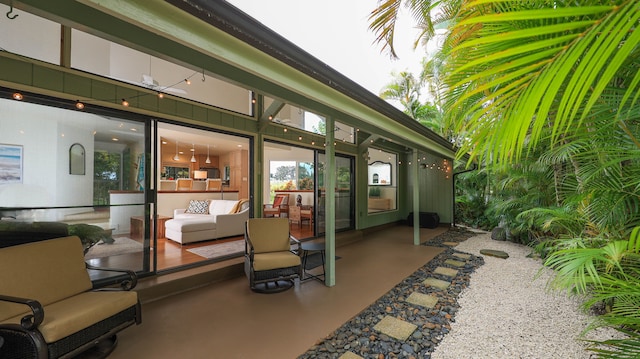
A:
(10, 164)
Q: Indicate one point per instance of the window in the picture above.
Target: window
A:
(95, 55)
(80, 170)
(381, 181)
(30, 36)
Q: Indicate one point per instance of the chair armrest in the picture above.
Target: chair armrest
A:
(126, 284)
(296, 242)
(29, 321)
(178, 211)
(248, 247)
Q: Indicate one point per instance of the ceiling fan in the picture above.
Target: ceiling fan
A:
(150, 83)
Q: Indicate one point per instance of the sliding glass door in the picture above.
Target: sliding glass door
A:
(299, 172)
(345, 196)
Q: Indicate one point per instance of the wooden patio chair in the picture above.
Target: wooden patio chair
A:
(279, 206)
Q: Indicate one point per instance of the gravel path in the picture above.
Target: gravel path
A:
(506, 313)
(493, 308)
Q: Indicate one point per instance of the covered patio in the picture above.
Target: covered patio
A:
(228, 320)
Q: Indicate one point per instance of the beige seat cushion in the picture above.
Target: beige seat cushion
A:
(274, 260)
(47, 271)
(71, 315)
(269, 234)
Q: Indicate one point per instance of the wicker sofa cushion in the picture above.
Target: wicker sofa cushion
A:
(75, 313)
(50, 271)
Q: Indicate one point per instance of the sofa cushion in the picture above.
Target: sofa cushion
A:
(198, 206)
(73, 314)
(221, 206)
(190, 225)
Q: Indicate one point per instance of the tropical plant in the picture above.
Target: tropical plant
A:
(556, 82)
(406, 89)
(610, 274)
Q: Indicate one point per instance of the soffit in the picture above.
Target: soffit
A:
(170, 33)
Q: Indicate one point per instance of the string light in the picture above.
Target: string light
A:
(160, 95)
(125, 103)
(79, 105)
(17, 96)
(187, 81)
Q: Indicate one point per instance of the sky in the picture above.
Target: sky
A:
(336, 32)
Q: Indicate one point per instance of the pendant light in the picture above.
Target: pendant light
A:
(208, 159)
(193, 153)
(176, 157)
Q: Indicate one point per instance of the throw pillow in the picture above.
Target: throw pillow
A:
(234, 209)
(198, 207)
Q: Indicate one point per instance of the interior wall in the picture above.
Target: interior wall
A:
(46, 134)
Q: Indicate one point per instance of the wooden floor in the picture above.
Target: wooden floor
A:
(171, 255)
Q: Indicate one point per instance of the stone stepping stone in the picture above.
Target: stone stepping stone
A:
(466, 257)
(395, 328)
(449, 272)
(494, 253)
(350, 355)
(454, 263)
(450, 244)
(424, 300)
(437, 283)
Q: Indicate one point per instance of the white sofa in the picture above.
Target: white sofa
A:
(218, 223)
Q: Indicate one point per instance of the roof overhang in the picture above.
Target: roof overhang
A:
(215, 36)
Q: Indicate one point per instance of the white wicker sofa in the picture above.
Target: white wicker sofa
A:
(201, 222)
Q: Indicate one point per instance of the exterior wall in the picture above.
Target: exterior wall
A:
(277, 80)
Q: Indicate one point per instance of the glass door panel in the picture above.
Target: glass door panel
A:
(344, 214)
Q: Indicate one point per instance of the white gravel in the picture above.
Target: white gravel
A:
(508, 313)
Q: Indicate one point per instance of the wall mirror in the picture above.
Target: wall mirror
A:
(76, 159)
(380, 173)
